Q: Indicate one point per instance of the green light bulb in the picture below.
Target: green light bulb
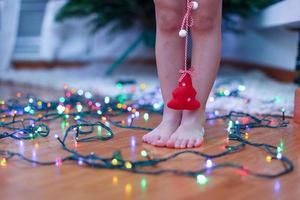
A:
(201, 179)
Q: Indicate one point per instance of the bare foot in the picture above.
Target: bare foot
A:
(190, 132)
(161, 134)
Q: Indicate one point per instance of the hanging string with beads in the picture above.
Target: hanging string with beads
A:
(187, 23)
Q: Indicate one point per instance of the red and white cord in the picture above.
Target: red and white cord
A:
(187, 23)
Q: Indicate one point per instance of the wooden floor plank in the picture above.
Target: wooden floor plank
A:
(20, 180)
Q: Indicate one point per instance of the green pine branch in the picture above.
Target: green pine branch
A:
(123, 14)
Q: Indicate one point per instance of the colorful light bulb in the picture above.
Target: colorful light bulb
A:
(146, 116)
(3, 162)
(114, 162)
(201, 179)
(144, 153)
(106, 100)
(128, 165)
(268, 159)
(209, 163)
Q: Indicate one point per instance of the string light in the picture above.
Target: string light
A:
(280, 147)
(62, 100)
(137, 114)
(58, 162)
(88, 95)
(209, 163)
(156, 106)
(144, 153)
(128, 165)
(146, 116)
(80, 161)
(80, 92)
(79, 107)
(107, 100)
(268, 159)
(119, 86)
(143, 86)
(201, 179)
(60, 109)
(114, 162)
(90, 107)
(279, 156)
(246, 136)
(3, 162)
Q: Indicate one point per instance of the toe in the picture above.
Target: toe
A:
(184, 143)
(155, 138)
(145, 138)
(149, 138)
(198, 142)
(178, 143)
(171, 142)
(161, 142)
(191, 143)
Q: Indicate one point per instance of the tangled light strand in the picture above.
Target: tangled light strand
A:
(25, 118)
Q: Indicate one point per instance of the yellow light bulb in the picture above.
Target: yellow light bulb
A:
(114, 162)
(269, 159)
(143, 86)
(128, 165)
(3, 162)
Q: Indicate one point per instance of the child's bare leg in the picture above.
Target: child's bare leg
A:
(206, 35)
(170, 58)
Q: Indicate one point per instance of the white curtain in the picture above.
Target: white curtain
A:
(9, 16)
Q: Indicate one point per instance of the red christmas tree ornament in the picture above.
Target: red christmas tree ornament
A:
(184, 96)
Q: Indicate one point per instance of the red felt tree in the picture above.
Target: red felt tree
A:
(184, 96)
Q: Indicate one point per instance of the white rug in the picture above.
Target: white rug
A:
(266, 95)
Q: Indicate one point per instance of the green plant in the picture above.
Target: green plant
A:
(124, 14)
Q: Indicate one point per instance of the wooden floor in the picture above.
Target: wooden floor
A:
(20, 180)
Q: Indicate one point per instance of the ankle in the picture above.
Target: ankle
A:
(191, 117)
(171, 116)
